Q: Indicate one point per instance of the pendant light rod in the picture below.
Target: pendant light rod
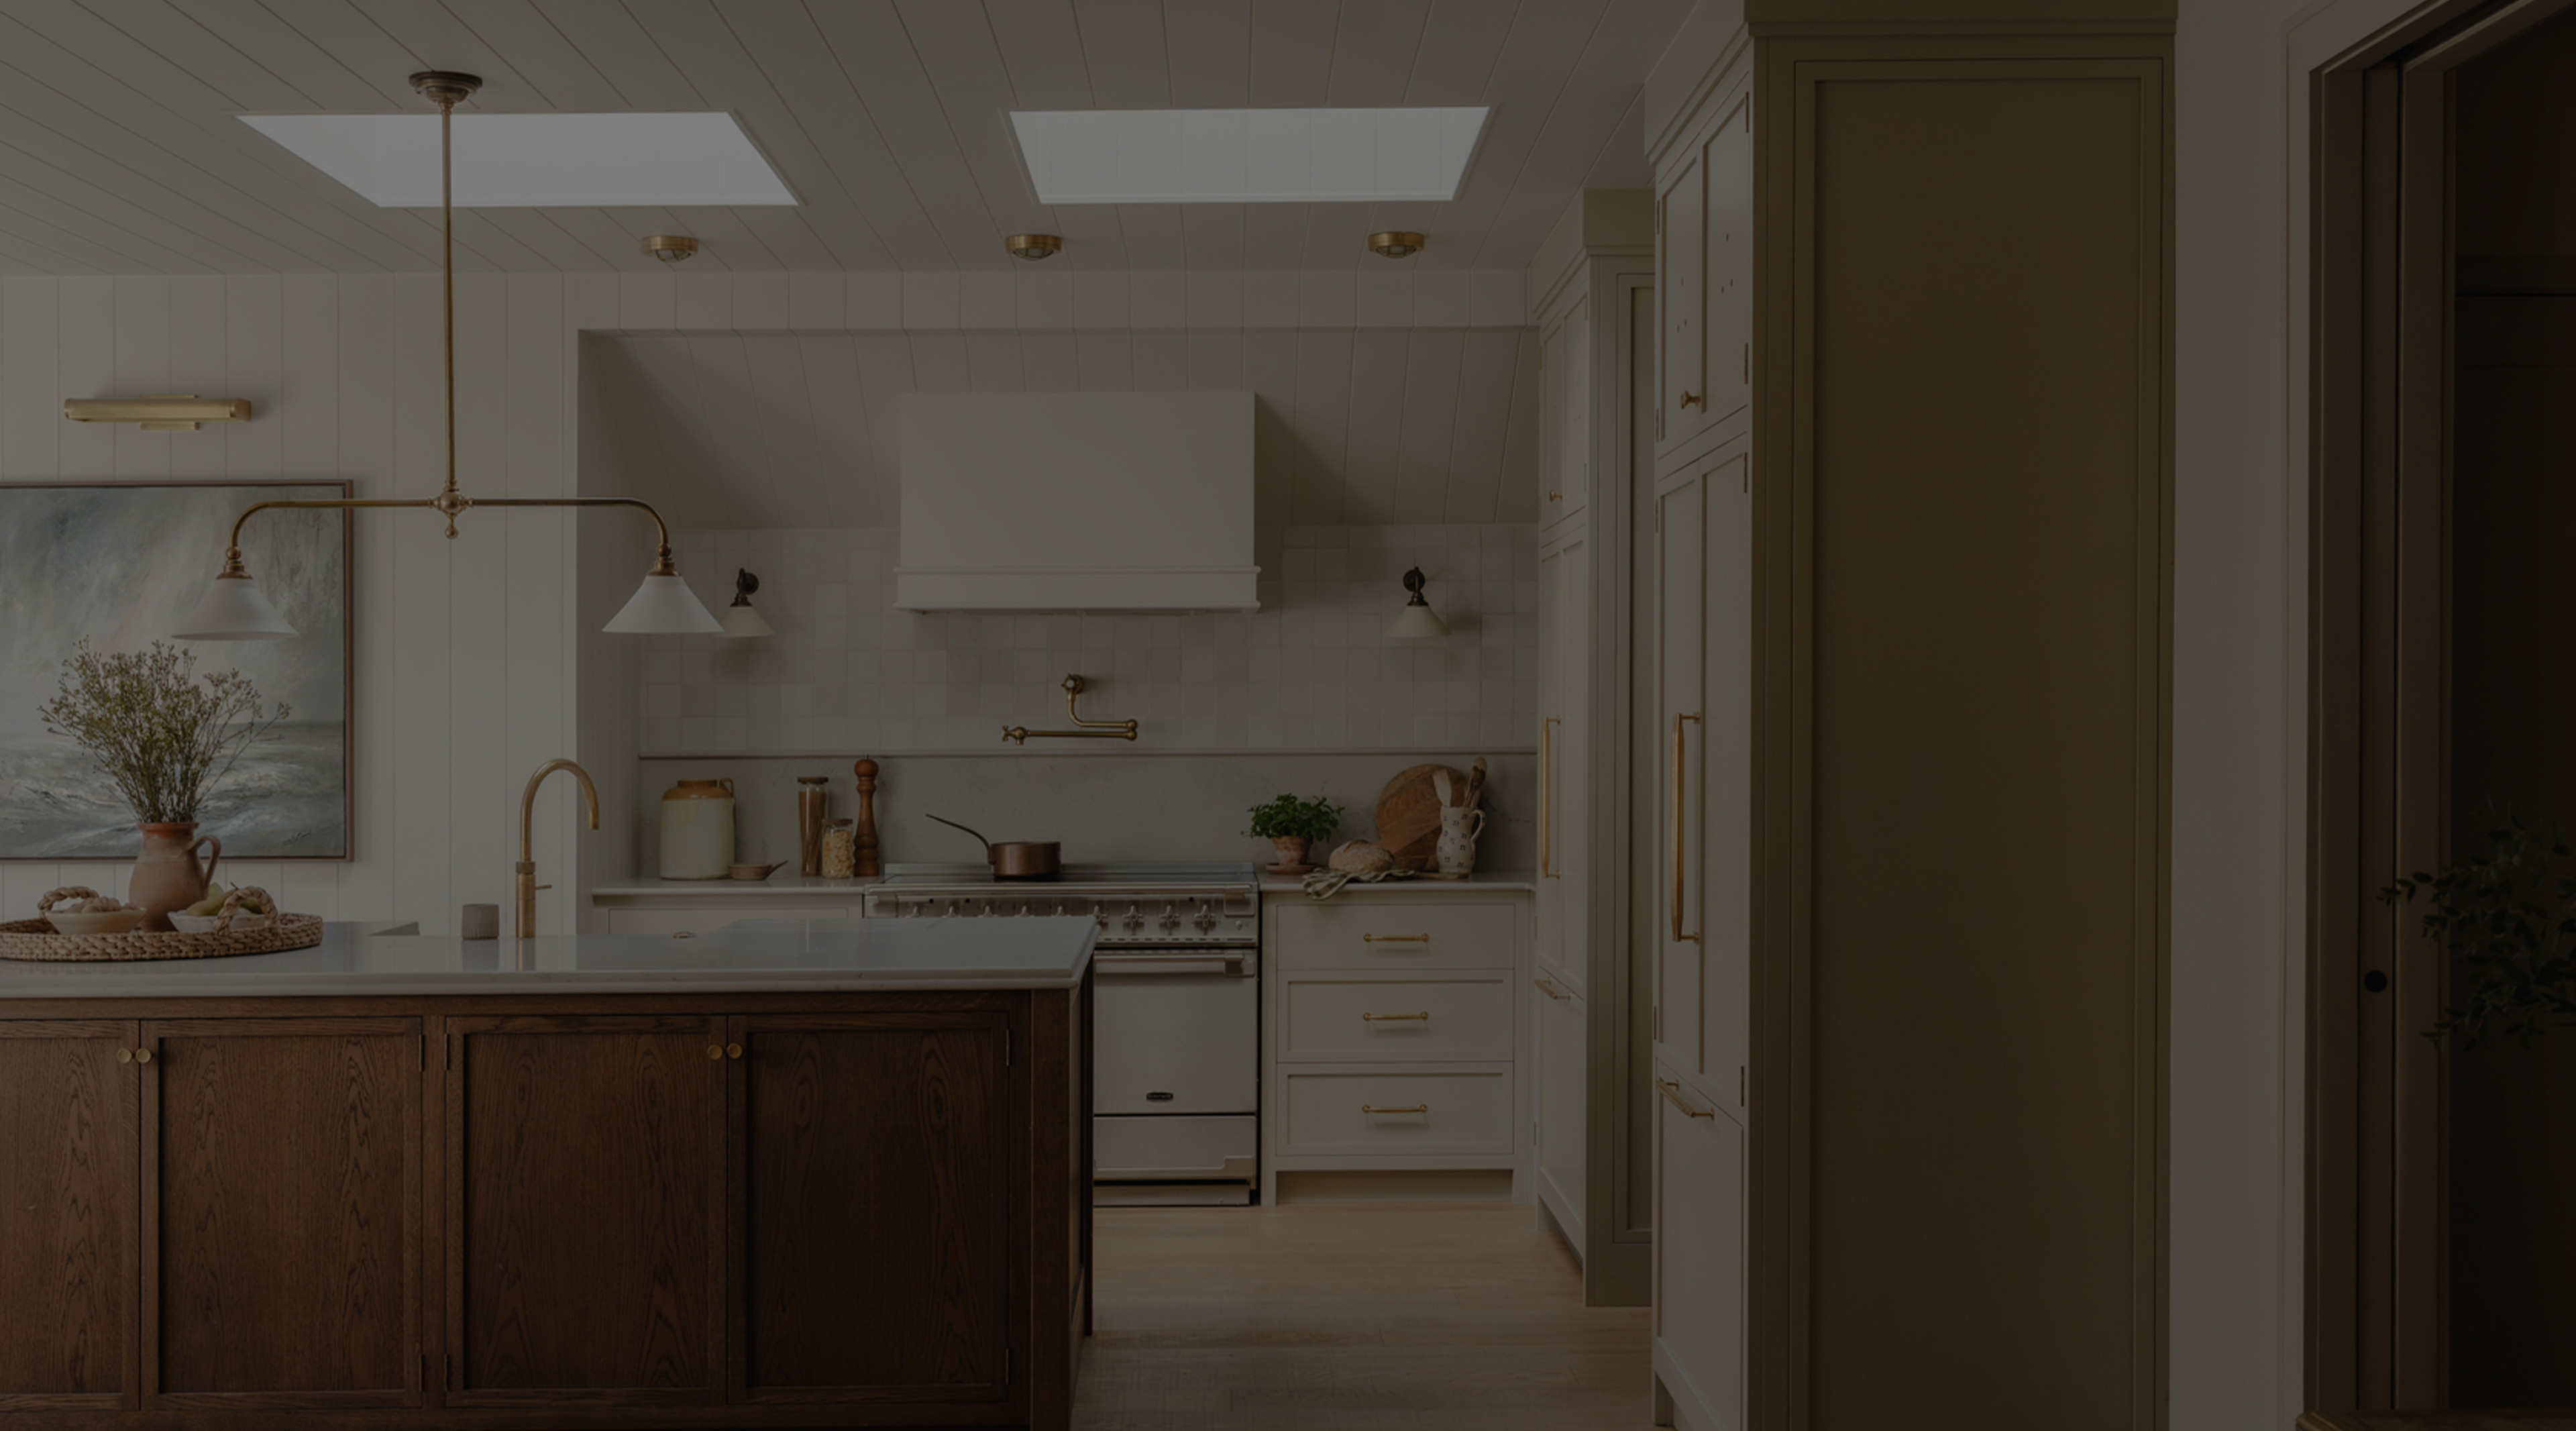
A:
(673, 610)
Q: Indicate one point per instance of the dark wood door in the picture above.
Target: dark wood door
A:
(876, 1167)
(68, 1108)
(585, 1210)
(281, 1213)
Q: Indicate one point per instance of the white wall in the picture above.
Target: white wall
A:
(466, 650)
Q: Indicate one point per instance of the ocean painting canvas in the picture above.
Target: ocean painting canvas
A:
(120, 564)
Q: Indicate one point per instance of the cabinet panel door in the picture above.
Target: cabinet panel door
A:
(68, 1111)
(1565, 696)
(1565, 412)
(1682, 289)
(1724, 779)
(585, 1209)
(1681, 562)
(1699, 1257)
(872, 1245)
(1728, 162)
(281, 1184)
(1561, 1121)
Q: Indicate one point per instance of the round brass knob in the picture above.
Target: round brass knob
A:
(714, 1051)
(143, 1055)
(733, 1050)
(125, 1055)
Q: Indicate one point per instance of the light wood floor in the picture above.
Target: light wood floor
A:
(1352, 1317)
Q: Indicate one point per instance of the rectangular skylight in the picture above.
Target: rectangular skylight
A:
(1247, 156)
(510, 161)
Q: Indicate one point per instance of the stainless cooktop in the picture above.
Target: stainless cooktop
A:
(1133, 905)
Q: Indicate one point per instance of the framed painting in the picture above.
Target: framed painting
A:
(119, 564)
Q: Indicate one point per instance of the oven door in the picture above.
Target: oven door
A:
(1176, 1031)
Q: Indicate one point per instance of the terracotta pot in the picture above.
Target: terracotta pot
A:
(1292, 854)
(167, 875)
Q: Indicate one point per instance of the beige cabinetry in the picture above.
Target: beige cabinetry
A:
(1704, 271)
(1394, 1030)
(688, 907)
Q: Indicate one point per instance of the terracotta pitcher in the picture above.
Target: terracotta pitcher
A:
(167, 875)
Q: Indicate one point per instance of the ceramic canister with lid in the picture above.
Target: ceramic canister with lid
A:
(697, 830)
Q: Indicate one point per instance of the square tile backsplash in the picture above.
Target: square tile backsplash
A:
(1311, 670)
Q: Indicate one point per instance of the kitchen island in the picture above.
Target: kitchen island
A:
(784, 1173)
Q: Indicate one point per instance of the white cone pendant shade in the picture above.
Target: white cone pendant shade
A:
(1417, 620)
(663, 606)
(235, 609)
(744, 619)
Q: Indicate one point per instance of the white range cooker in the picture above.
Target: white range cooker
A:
(1176, 1032)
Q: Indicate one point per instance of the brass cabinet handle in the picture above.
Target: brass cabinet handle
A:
(733, 1050)
(1395, 1018)
(1416, 1108)
(1548, 987)
(1555, 496)
(715, 1052)
(143, 1055)
(125, 1055)
(1672, 1091)
(1395, 939)
(1690, 398)
(1547, 797)
(1681, 826)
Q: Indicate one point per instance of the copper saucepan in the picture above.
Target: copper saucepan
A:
(1018, 859)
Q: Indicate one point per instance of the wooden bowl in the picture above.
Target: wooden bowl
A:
(754, 871)
(122, 921)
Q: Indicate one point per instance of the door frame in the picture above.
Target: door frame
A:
(2377, 423)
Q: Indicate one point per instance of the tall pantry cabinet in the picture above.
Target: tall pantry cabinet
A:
(1909, 673)
(1593, 283)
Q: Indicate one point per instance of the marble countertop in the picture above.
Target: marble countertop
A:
(1482, 880)
(779, 883)
(751, 956)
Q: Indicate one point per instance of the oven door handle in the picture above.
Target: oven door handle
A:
(1209, 963)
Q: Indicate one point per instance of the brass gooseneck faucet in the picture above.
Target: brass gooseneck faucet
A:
(528, 886)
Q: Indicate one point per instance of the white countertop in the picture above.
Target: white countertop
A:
(1279, 886)
(780, 882)
(752, 956)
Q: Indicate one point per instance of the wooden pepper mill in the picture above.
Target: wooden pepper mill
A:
(871, 860)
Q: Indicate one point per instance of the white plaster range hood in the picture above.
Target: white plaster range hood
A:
(1077, 502)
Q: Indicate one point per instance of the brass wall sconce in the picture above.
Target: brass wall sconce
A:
(1032, 246)
(1395, 243)
(235, 609)
(166, 412)
(670, 248)
(1090, 729)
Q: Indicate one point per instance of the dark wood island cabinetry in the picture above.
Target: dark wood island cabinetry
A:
(562, 1210)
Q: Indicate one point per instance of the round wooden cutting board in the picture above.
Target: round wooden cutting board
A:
(1408, 815)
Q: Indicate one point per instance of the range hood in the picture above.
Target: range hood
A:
(1077, 502)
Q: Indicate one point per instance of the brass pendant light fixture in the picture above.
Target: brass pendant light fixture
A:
(235, 609)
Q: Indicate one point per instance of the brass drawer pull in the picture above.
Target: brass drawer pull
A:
(1416, 1108)
(715, 1052)
(1689, 398)
(1395, 1018)
(733, 1050)
(143, 1055)
(1395, 939)
(1547, 797)
(1548, 987)
(125, 1055)
(1681, 827)
(1671, 1089)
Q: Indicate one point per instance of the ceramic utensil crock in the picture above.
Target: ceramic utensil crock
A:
(697, 830)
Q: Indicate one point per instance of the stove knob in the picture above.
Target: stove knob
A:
(1135, 919)
(1171, 917)
(1100, 917)
(1206, 920)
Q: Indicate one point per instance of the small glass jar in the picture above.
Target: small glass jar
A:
(840, 849)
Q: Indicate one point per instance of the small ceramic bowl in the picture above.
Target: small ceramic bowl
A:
(122, 921)
(214, 923)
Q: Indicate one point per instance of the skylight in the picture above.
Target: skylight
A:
(506, 161)
(1246, 156)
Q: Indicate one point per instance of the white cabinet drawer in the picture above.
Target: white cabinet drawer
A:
(1370, 933)
(1361, 1019)
(712, 917)
(1346, 1111)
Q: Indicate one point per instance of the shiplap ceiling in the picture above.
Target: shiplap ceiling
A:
(120, 151)
(1353, 427)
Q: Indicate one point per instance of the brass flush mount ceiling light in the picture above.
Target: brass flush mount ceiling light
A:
(1032, 246)
(670, 248)
(234, 608)
(1395, 243)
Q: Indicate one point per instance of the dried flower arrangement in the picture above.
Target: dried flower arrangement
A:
(164, 734)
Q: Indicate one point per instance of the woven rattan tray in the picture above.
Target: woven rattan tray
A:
(35, 939)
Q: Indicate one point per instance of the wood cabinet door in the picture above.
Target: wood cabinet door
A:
(281, 1205)
(68, 1129)
(585, 1210)
(1681, 283)
(874, 1240)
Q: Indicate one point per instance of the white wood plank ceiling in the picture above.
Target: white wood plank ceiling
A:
(120, 151)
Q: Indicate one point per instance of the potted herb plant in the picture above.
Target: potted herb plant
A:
(1293, 826)
(165, 736)
(2507, 920)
